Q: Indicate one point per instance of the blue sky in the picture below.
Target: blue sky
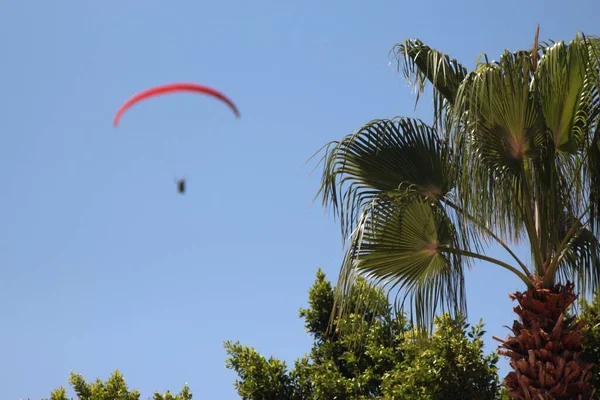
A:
(103, 265)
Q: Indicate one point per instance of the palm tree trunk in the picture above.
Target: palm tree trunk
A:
(546, 347)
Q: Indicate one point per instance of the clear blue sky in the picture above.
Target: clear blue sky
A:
(104, 266)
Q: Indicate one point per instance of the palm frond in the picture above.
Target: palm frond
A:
(535, 48)
(420, 63)
(568, 103)
(566, 92)
(593, 150)
(397, 246)
(398, 157)
(593, 167)
(579, 263)
(500, 132)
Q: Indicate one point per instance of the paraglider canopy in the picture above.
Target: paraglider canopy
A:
(173, 88)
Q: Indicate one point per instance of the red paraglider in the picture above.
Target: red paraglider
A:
(171, 88)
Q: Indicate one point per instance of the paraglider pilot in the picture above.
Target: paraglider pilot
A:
(181, 185)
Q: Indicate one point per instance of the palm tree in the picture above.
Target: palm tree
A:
(512, 157)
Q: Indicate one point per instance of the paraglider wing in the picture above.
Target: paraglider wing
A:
(171, 88)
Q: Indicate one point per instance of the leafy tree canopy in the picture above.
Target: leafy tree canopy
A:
(114, 388)
(378, 356)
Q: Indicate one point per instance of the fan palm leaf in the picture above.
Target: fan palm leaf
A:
(421, 64)
(401, 246)
(385, 157)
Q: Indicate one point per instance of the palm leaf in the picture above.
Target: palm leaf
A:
(593, 167)
(397, 157)
(400, 247)
(593, 150)
(499, 127)
(420, 63)
(580, 259)
(569, 97)
(566, 93)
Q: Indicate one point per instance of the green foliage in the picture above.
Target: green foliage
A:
(377, 356)
(265, 379)
(452, 366)
(590, 313)
(114, 388)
